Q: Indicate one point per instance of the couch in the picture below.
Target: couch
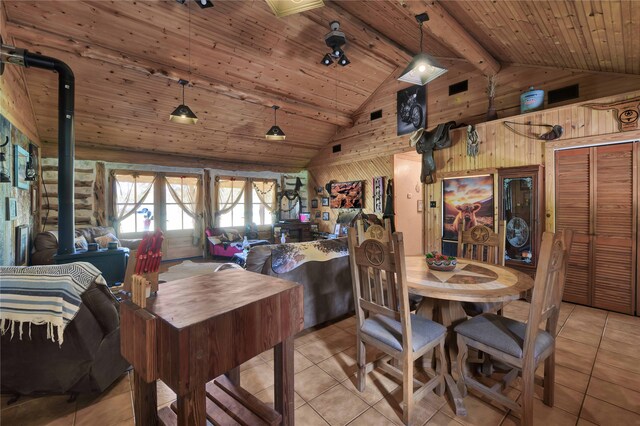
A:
(328, 292)
(46, 243)
(88, 360)
(227, 242)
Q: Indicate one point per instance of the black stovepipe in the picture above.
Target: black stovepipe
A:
(66, 137)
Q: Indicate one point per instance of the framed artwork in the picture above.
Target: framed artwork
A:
(411, 105)
(314, 203)
(378, 194)
(325, 215)
(466, 202)
(318, 215)
(20, 159)
(22, 245)
(325, 201)
(336, 229)
(319, 190)
(314, 227)
(11, 208)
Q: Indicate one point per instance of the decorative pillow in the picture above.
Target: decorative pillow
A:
(81, 243)
(104, 241)
(232, 235)
(215, 240)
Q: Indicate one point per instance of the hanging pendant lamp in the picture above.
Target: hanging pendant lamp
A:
(423, 68)
(275, 133)
(183, 113)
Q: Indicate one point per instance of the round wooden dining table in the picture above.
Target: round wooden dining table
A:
(444, 292)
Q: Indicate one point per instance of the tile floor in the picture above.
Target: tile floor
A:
(597, 382)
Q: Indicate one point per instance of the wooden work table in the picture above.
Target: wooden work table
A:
(203, 328)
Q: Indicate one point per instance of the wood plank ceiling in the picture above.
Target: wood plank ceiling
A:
(127, 57)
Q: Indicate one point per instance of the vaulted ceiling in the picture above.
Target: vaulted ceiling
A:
(128, 55)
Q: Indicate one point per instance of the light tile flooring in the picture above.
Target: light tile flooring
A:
(597, 382)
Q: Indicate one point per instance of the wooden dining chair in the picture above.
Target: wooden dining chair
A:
(390, 326)
(480, 243)
(377, 232)
(522, 346)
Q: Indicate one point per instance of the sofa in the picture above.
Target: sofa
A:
(45, 243)
(328, 292)
(88, 360)
(225, 242)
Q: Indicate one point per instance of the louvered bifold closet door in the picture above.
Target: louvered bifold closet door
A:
(573, 206)
(615, 228)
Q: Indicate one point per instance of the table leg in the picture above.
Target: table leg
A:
(283, 372)
(192, 408)
(451, 314)
(144, 401)
(234, 376)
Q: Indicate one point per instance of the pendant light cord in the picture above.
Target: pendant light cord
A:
(421, 36)
(189, 9)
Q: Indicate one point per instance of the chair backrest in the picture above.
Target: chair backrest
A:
(549, 286)
(481, 243)
(371, 260)
(376, 232)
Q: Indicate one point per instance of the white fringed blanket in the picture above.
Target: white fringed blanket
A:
(43, 295)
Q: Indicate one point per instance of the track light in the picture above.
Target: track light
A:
(204, 3)
(275, 133)
(344, 61)
(327, 60)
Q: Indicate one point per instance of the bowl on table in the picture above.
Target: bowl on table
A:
(440, 262)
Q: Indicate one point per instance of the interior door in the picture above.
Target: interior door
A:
(597, 197)
(573, 206)
(614, 236)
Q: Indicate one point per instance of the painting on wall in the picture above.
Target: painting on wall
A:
(22, 245)
(314, 203)
(20, 160)
(467, 201)
(11, 208)
(411, 109)
(378, 194)
(325, 215)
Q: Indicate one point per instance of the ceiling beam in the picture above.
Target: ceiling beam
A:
(99, 153)
(47, 39)
(444, 26)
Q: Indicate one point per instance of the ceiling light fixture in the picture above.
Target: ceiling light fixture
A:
(423, 68)
(204, 3)
(282, 8)
(275, 133)
(335, 39)
(183, 114)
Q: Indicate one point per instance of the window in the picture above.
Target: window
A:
(131, 190)
(262, 201)
(231, 202)
(185, 189)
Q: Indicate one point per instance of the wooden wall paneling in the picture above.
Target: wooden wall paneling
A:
(100, 195)
(636, 203)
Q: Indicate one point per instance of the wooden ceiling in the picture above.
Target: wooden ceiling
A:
(127, 57)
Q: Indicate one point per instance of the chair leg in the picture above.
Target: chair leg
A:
(528, 384)
(549, 379)
(362, 366)
(463, 353)
(407, 389)
(441, 368)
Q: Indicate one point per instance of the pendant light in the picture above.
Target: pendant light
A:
(183, 114)
(275, 133)
(423, 67)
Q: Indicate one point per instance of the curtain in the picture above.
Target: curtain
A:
(122, 202)
(190, 202)
(226, 199)
(267, 196)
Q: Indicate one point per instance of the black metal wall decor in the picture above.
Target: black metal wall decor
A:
(32, 164)
(627, 112)
(411, 104)
(473, 144)
(5, 177)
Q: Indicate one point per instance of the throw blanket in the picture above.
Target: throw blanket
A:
(287, 257)
(43, 295)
